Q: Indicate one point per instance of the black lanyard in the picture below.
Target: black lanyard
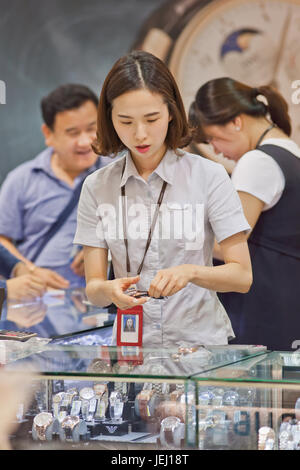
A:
(159, 202)
(264, 133)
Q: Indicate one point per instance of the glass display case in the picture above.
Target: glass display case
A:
(254, 404)
(88, 393)
(107, 397)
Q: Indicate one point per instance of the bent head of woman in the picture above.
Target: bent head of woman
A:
(140, 109)
(232, 116)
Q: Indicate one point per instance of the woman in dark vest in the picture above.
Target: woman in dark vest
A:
(252, 127)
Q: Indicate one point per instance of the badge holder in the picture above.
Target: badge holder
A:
(130, 326)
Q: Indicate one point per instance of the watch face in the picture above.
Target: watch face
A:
(43, 419)
(169, 423)
(253, 41)
(86, 393)
(58, 397)
(114, 397)
(70, 421)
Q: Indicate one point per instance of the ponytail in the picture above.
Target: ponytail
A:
(277, 108)
(221, 100)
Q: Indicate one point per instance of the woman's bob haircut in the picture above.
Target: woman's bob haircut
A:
(135, 71)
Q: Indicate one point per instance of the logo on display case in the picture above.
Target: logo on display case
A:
(111, 429)
(2, 92)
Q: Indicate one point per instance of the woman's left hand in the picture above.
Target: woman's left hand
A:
(169, 281)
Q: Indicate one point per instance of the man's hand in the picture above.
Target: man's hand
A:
(24, 288)
(21, 269)
(27, 315)
(51, 278)
(77, 265)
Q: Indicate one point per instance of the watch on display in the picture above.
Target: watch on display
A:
(58, 397)
(41, 423)
(101, 394)
(101, 408)
(201, 40)
(71, 393)
(56, 403)
(266, 438)
(75, 408)
(116, 406)
(87, 393)
(72, 429)
(171, 432)
(69, 424)
(100, 389)
(88, 403)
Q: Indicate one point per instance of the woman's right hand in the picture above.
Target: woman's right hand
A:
(115, 290)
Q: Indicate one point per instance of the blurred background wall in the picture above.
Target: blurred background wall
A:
(46, 43)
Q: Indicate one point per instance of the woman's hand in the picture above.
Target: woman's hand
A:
(115, 291)
(171, 280)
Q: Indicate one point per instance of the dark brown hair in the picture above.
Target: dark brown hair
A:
(134, 71)
(64, 98)
(221, 100)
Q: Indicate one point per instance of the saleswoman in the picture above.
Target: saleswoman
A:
(252, 126)
(187, 201)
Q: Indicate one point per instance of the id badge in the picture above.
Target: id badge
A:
(130, 326)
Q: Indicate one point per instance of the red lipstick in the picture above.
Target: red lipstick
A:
(143, 148)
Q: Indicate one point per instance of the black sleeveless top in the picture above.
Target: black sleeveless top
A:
(269, 313)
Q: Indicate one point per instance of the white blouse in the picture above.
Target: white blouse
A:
(200, 204)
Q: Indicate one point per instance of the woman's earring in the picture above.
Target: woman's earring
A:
(237, 128)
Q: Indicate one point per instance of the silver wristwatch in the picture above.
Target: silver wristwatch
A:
(171, 432)
(40, 423)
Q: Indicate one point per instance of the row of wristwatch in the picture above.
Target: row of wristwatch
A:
(89, 402)
(288, 437)
(45, 426)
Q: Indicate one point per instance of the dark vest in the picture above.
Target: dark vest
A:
(270, 313)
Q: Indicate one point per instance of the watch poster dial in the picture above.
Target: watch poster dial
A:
(253, 41)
